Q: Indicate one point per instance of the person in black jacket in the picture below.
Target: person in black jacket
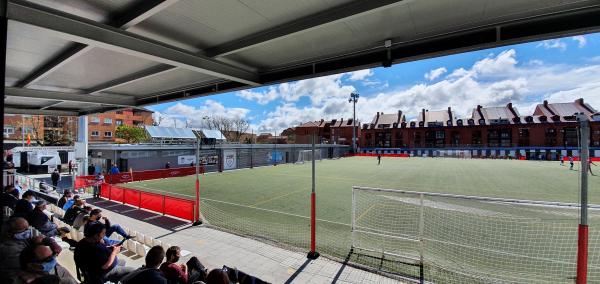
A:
(91, 170)
(67, 194)
(148, 274)
(74, 211)
(24, 206)
(55, 176)
(10, 197)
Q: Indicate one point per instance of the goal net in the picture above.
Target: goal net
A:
(307, 156)
(467, 239)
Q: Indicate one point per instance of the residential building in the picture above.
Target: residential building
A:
(102, 126)
(550, 131)
(327, 132)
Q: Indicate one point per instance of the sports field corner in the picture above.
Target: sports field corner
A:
(477, 238)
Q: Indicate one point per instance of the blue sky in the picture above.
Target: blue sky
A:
(559, 70)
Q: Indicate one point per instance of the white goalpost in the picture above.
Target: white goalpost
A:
(307, 156)
(464, 239)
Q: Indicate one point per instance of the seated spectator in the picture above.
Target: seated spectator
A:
(217, 276)
(97, 260)
(16, 239)
(25, 205)
(82, 218)
(18, 187)
(70, 202)
(96, 216)
(190, 272)
(67, 195)
(38, 261)
(39, 220)
(45, 188)
(74, 211)
(10, 197)
(149, 274)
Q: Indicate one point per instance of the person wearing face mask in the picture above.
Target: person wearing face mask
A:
(39, 262)
(97, 260)
(38, 219)
(25, 205)
(96, 217)
(190, 272)
(17, 238)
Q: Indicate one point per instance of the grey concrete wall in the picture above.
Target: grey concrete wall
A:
(246, 155)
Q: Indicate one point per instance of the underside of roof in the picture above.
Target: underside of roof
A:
(72, 57)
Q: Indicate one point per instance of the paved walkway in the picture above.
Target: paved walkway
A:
(215, 248)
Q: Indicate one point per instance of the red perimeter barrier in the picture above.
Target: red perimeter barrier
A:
(383, 155)
(151, 174)
(576, 158)
(167, 205)
(84, 181)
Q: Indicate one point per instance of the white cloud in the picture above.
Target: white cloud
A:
(262, 98)
(492, 81)
(581, 41)
(360, 75)
(553, 43)
(435, 73)
(179, 114)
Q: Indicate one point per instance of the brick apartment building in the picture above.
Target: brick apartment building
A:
(328, 132)
(102, 127)
(41, 130)
(549, 132)
(62, 130)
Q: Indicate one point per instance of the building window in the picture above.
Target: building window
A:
(524, 137)
(570, 137)
(119, 112)
(95, 133)
(107, 134)
(95, 119)
(8, 130)
(119, 122)
(108, 121)
(476, 138)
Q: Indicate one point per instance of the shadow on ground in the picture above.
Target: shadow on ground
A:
(149, 217)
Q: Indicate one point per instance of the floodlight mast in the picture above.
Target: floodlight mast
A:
(582, 234)
(353, 99)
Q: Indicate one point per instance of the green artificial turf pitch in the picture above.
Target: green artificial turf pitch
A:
(234, 200)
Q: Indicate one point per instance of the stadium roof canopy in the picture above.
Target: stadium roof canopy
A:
(72, 57)
(170, 132)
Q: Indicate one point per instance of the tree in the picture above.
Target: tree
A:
(131, 134)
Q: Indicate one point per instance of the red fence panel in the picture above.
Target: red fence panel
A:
(178, 207)
(116, 193)
(132, 197)
(105, 190)
(152, 201)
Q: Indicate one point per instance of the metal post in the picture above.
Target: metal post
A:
(197, 220)
(353, 221)
(3, 26)
(582, 242)
(421, 239)
(313, 254)
(354, 127)
(252, 149)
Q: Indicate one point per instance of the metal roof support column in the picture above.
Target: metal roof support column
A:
(82, 136)
(3, 26)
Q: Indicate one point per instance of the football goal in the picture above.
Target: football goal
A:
(469, 239)
(307, 156)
